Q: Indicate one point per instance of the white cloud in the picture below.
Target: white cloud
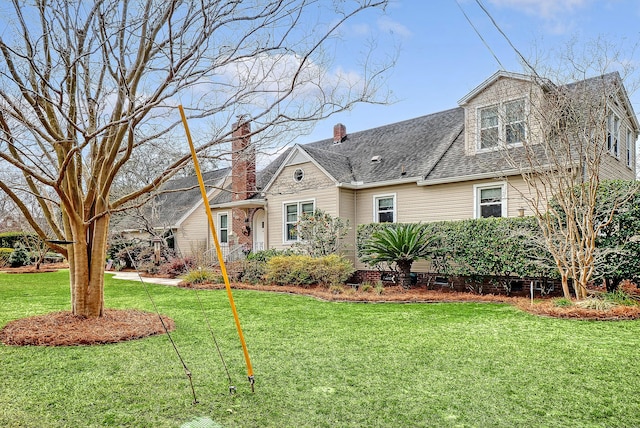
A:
(388, 25)
(547, 9)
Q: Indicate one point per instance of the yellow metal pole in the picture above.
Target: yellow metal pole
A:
(223, 267)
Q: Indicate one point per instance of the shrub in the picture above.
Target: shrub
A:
(562, 302)
(379, 287)
(331, 270)
(366, 287)
(595, 303)
(304, 270)
(320, 234)
(619, 297)
(201, 275)
(5, 253)
(265, 255)
(10, 239)
(177, 266)
(253, 271)
(149, 267)
(336, 289)
(19, 257)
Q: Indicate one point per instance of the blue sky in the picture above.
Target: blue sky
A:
(441, 57)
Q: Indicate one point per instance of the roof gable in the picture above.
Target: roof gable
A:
(298, 155)
(497, 76)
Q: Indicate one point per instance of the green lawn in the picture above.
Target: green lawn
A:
(320, 364)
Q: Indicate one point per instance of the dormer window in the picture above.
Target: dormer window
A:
(502, 125)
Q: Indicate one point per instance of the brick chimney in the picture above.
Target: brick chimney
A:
(243, 161)
(339, 133)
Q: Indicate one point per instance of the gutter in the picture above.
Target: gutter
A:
(361, 185)
(245, 203)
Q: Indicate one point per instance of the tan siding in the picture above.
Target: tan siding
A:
(314, 178)
(315, 186)
(347, 211)
(442, 202)
(193, 237)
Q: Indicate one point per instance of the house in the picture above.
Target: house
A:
(443, 166)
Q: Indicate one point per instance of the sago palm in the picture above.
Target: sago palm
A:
(402, 245)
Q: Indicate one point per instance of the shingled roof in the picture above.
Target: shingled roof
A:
(426, 149)
(176, 198)
(404, 150)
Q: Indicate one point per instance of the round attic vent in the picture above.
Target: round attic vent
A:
(298, 175)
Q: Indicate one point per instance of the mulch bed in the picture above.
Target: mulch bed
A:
(396, 294)
(64, 328)
(45, 267)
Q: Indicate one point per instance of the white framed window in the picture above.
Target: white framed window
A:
(298, 175)
(613, 134)
(502, 125)
(489, 134)
(489, 200)
(292, 212)
(630, 146)
(223, 228)
(384, 208)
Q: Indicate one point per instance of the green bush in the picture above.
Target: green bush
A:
(620, 297)
(562, 302)
(494, 248)
(201, 275)
(265, 255)
(10, 239)
(19, 257)
(304, 270)
(5, 253)
(253, 271)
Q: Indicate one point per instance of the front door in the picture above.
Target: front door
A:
(258, 230)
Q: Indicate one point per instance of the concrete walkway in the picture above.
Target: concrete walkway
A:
(133, 276)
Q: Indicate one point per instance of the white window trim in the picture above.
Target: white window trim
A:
(476, 197)
(630, 148)
(219, 226)
(294, 175)
(614, 150)
(502, 124)
(375, 206)
(285, 241)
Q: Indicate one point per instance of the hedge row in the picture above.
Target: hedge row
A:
(491, 247)
(9, 239)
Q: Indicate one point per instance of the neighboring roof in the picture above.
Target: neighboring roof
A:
(177, 199)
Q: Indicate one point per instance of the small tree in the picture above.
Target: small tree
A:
(19, 257)
(321, 234)
(400, 246)
(572, 139)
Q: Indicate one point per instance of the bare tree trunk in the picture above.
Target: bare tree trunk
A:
(86, 269)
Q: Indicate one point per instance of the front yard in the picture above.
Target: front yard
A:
(320, 364)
